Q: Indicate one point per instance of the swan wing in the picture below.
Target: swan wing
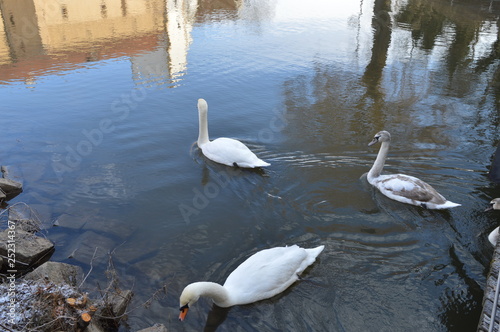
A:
(408, 189)
(268, 272)
(231, 152)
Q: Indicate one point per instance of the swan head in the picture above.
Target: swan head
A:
(202, 105)
(188, 297)
(381, 136)
(495, 204)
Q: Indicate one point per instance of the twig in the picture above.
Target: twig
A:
(91, 267)
(52, 322)
(6, 328)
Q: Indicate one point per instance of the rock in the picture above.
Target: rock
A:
(57, 273)
(109, 226)
(155, 328)
(119, 301)
(70, 221)
(95, 326)
(24, 218)
(10, 187)
(29, 249)
(115, 307)
(88, 246)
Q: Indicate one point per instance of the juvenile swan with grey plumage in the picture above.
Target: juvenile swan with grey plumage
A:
(263, 275)
(400, 187)
(224, 150)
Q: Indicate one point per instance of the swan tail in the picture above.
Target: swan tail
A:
(314, 252)
(448, 205)
(262, 163)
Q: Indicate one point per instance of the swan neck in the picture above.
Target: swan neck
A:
(203, 123)
(378, 165)
(216, 292)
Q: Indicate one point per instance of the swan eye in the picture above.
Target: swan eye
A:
(184, 307)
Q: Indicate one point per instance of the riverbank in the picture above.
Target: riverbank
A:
(37, 294)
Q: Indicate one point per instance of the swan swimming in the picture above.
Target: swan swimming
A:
(493, 236)
(400, 187)
(263, 275)
(224, 150)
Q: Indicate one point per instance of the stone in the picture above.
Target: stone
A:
(69, 221)
(57, 273)
(24, 218)
(113, 227)
(155, 328)
(95, 326)
(29, 248)
(10, 187)
(119, 301)
(88, 246)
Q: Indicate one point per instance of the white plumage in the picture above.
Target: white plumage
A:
(263, 275)
(224, 150)
(493, 236)
(400, 187)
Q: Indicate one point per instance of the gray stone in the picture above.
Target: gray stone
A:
(57, 273)
(10, 187)
(94, 326)
(29, 249)
(69, 221)
(119, 301)
(108, 225)
(155, 328)
(88, 246)
(24, 218)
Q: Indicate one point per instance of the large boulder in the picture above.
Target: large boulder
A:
(24, 249)
(57, 273)
(10, 187)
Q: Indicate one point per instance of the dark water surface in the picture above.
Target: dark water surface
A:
(99, 120)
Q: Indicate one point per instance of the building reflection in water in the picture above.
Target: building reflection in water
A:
(41, 36)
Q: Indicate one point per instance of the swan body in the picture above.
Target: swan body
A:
(493, 236)
(263, 275)
(224, 150)
(400, 187)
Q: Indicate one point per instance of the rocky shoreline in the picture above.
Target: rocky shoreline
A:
(37, 294)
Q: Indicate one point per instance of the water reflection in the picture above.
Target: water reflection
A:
(44, 36)
(338, 72)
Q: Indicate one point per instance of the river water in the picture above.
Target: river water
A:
(99, 122)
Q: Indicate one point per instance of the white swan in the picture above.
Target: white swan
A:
(493, 237)
(400, 187)
(263, 275)
(224, 150)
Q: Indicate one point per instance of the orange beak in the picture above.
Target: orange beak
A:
(183, 313)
